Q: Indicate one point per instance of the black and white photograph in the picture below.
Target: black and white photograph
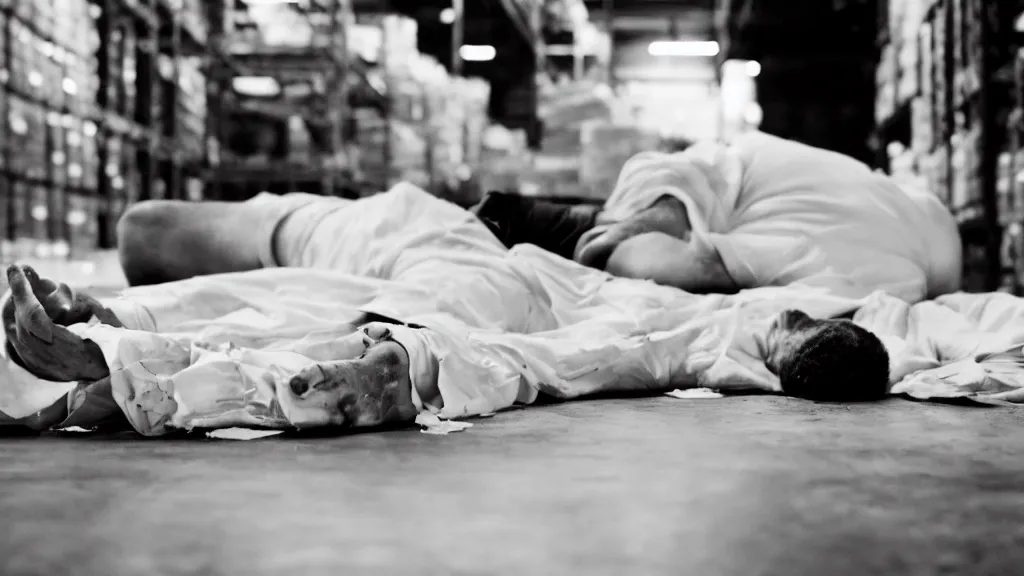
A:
(512, 287)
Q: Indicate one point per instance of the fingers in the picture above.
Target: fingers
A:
(45, 349)
(595, 247)
(61, 303)
(29, 313)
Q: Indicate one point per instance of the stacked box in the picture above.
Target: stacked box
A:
(56, 150)
(939, 74)
(956, 43)
(57, 202)
(973, 48)
(1017, 183)
(191, 116)
(20, 218)
(26, 125)
(885, 104)
(4, 75)
(965, 166)
(127, 90)
(924, 127)
(1004, 185)
(937, 173)
(31, 218)
(909, 74)
(399, 49)
(82, 223)
(4, 71)
(73, 150)
(193, 19)
(958, 195)
(74, 27)
(6, 222)
(24, 54)
(921, 126)
(1011, 256)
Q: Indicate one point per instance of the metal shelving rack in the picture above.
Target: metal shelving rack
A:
(102, 153)
(327, 174)
(1010, 182)
(967, 89)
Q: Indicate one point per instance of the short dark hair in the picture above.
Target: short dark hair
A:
(841, 362)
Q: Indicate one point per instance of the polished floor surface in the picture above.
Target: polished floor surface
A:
(740, 486)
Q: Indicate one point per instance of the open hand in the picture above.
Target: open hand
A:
(34, 319)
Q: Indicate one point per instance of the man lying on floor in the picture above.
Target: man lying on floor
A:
(762, 211)
(480, 327)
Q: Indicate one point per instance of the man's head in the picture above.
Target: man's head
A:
(827, 360)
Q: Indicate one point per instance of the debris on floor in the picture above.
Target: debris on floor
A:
(241, 434)
(694, 394)
(432, 424)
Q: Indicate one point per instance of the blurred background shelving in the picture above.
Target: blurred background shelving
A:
(947, 108)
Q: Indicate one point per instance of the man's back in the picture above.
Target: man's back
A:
(862, 219)
(778, 212)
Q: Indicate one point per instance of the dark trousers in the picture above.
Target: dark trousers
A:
(554, 224)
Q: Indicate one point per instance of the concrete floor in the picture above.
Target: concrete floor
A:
(743, 486)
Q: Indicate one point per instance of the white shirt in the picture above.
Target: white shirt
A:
(780, 212)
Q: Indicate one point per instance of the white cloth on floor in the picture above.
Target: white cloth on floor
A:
(780, 212)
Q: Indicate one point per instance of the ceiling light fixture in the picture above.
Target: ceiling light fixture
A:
(256, 86)
(683, 48)
(448, 16)
(471, 53)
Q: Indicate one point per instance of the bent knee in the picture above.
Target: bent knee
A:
(142, 232)
(144, 220)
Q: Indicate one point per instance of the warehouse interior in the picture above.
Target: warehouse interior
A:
(109, 105)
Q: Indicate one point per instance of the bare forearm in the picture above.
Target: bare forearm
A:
(692, 264)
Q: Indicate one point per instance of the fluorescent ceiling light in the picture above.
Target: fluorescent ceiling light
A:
(258, 86)
(448, 16)
(753, 68)
(472, 53)
(683, 48)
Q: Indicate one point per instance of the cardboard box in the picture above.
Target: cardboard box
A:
(885, 80)
(909, 84)
(4, 72)
(6, 217)
(83, 223)
(56, 149)
(921, 126)
(26, 126)
(941, 95)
